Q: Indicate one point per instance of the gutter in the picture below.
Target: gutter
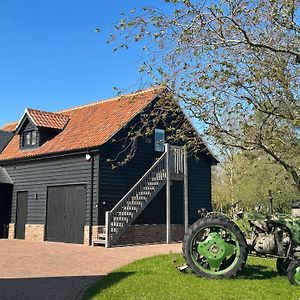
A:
(51, 155)
(91, 198)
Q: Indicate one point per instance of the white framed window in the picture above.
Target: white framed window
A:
(159, 140)
(29, 138)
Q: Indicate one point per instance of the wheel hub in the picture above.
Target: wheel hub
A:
(215, 249)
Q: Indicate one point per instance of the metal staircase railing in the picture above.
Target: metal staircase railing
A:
(133, 203)
(176, 162)
(139, 196)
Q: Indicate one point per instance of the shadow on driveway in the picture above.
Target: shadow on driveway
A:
(62, 288)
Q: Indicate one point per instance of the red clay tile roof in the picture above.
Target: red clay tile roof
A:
(47, 119)
(9, 127)
(89, 126)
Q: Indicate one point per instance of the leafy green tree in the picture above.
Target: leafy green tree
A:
(247, 178)
(232, 64)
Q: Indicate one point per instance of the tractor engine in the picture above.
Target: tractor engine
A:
(269, 239)
(264, 243)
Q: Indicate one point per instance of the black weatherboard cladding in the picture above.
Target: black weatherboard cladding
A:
(29, 126)
(5, 137)
(199, 172)
(199, 179)
(115, 183)
(37, 175)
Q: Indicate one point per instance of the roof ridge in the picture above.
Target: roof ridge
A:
(9, 124)
(110, 99)
(44, 111)
(138, 92)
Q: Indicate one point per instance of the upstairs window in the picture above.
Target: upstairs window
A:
(159, 140)
(29, 138)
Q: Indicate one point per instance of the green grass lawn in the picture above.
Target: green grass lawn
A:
(156, 278)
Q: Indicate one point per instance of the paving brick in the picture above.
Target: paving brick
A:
(44, 270)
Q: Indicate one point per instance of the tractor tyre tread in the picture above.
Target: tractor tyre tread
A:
(219, 221)
(291, 270)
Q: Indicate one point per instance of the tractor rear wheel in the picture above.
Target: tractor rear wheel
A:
(215, 247)
(293, 272)
(282, 266)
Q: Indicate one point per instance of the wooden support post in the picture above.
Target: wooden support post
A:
(168, 196)
(186, 191)
(107, 229)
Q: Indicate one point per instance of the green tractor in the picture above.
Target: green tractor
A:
(216, 247)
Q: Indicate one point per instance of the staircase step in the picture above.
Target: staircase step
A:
(116, 225)
(128, 210)
(149, 189)
(144, 193)
(138, 198)
(159, 177)
(122, 219)
(134, 202)
(98, 242)
(154, 181)
(125, 213)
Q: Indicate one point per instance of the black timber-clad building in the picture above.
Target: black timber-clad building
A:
(57, 182)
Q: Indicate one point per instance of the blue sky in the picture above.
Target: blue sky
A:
(51, 58)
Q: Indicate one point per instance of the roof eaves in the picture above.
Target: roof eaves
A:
(26, 113)
(48, 155)
(215, 160)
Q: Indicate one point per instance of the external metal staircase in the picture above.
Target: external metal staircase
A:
(170, 166)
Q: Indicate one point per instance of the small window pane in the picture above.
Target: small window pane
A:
(159, 140)
(33, 138)
(27, 138)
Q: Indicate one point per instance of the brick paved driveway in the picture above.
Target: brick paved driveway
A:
(33, 270)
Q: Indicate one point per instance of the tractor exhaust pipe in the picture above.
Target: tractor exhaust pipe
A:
(270, 210)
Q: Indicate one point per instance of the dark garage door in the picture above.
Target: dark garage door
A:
(66, 213)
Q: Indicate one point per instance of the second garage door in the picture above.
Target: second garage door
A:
(66, 207)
